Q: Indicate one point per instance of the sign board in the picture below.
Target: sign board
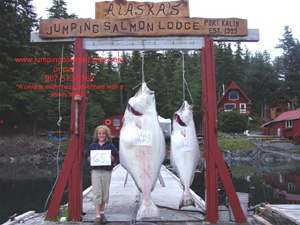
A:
(121, 9)
(64, 28)
(143, 138)
(100, 157)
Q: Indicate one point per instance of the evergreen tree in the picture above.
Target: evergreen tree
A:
(133, 78)
(173, 72)
(94, 111)
(193, 89)
(20, 106)
(239, 65)
(156, 80)
(124, 68)
(110, 97)
(59, 10)
(289, 65)
(17, 20)
(50, 106)
(224, 63)
(262, 82)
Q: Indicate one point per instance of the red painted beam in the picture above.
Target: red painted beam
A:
(75, 178)
(214, 160)
(72, 167)
(211, 176)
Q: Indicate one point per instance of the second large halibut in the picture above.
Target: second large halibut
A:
(185, 152)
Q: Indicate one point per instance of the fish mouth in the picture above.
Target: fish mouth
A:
(133, 111)
(179, 121)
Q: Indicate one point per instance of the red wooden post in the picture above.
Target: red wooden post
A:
(213, 155)
(72, 166)
(75, 178)
(209, 121)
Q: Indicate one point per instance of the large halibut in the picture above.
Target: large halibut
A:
(142, 147)
(185, 152)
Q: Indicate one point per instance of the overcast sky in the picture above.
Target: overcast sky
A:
(268, 16)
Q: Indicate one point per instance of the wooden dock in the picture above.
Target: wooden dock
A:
(124, 202)
(278, 214)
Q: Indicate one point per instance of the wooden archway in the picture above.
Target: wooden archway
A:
(71, 172)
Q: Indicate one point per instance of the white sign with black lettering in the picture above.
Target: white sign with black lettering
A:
(143, 137)
(100, 157)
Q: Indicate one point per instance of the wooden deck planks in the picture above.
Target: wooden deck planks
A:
(291, 212)
(124, 200)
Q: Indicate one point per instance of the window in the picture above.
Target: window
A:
(291, 187)
(229, 107)
(281, 102)
(243, 108)
(279, 110)
(288, 124)
(116, 122)
(280, 178)
(233, 95)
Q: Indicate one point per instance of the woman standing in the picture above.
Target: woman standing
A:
(101, 175)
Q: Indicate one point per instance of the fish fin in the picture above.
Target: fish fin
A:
(138, 123)
(186, 200)
(183, 132)
(147, 210)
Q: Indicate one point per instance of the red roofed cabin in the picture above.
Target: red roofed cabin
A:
(234, 99)
(114, 123)
(285, 125)
(277, 107)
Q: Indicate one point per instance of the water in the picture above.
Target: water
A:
(26, 187)
(272, 179)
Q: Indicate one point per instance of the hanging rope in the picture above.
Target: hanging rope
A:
(183, 79)
(143, 60)
(143, 75)
(59, 130)
(184, 83)
(59, 106)
(61, 69)
(141, 83)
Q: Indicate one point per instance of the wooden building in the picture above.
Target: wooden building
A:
(234, 99)
(114, 123)
(285, 125)
(277, 107)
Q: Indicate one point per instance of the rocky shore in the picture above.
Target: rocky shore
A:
(28, 150)
(36, 150)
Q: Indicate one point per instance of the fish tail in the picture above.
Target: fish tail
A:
(186, 200)
(147, 210)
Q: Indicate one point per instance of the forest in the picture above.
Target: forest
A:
(27, 106)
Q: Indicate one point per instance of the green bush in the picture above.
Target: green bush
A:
(232, 121)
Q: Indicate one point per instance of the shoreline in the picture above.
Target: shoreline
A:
(34, 150)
